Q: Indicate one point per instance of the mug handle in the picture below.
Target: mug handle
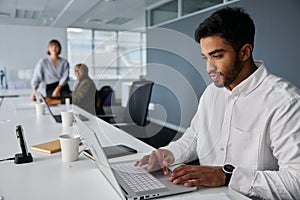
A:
(81, 141)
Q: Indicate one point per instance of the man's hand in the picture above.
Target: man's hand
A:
(192, 175)
(160, 157)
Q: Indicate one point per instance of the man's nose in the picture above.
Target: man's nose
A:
(210, 66)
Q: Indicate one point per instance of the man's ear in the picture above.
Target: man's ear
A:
(245, 52)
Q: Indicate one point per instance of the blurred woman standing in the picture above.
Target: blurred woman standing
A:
(53, 70)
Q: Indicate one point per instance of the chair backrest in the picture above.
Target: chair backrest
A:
(103, 97)
(137, 106)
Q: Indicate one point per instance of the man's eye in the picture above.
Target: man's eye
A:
(217, 56)
(204, 58)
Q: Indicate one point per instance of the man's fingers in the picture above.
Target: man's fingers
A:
(208, 176)
(158, 158)
(152, 160)
(165, 163)
(168, 160)
(143, 161)
(192, 183)
(185, 177)
(181, 171)
(180, 168)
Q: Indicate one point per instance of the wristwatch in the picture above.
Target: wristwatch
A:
(228, 169)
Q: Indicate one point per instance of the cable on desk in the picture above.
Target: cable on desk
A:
(7, 159)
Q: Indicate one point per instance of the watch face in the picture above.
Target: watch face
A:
(228, 168)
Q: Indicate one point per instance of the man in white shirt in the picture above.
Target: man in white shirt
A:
(246, 132)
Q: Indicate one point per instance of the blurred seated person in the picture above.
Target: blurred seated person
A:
(84, 92)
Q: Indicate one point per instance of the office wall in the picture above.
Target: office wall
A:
(22, 46)
(175, 61)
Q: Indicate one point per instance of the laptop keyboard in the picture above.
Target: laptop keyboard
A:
(137, 178)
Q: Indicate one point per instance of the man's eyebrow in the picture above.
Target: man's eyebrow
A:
(216, 51)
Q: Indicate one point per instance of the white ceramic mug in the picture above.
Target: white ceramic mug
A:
(67, 117)
(39, 109)
(69, 147)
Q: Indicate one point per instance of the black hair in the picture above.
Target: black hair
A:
(232, 24)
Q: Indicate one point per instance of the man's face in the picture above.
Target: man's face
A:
(222, 63)
(78, 73)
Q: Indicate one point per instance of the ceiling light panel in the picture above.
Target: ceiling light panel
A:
(28, 14)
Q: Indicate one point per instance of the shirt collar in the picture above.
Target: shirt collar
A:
(252, 82)
(49, 58)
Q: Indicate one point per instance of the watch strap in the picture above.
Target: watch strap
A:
(227, 179)
(228, 170)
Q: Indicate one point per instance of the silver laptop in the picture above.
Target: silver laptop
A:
(57, 118)
(130, 182)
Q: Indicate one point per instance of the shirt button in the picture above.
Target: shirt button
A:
(222, 149)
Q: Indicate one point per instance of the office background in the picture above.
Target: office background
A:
(173, 58)
(22, 46)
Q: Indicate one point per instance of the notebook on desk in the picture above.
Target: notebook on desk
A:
(130, 182)
(47, 147)
(57, 118)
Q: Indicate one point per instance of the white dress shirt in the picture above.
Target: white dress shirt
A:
(47, 72)
(256, 128)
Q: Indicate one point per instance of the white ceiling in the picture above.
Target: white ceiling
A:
(98, 14)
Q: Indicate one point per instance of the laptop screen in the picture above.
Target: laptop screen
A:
(38, 94)
(93, 142)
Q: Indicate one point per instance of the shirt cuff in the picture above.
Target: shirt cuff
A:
(63, 83)
(177, 153)
(242, 180)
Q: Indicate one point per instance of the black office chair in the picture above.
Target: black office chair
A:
(104, 97)
(136, 110)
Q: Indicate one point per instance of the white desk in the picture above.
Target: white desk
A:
(47, 177)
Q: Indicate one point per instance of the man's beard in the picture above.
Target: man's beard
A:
(230, 77)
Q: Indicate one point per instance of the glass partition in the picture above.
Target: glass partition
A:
(108, 54)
